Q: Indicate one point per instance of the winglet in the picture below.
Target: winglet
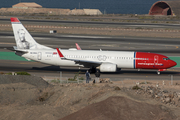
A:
(78, 47)
(15, 20)
(60, 54)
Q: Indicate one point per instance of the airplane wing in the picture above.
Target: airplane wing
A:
(78, 47)
(86, 63)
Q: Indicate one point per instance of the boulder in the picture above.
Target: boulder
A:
(167, 100)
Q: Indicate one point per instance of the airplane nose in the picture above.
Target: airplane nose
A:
(173, 63)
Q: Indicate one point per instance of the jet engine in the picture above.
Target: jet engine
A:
(108, 67)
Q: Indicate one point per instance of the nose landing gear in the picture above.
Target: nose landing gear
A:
(158, 72)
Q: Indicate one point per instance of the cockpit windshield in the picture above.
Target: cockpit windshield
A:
(166, 59)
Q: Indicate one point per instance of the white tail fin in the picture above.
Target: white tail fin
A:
(22, 37)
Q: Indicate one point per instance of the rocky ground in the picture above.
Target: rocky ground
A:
(29, 97)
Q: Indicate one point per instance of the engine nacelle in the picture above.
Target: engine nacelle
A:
(72, 49)
(108, 67)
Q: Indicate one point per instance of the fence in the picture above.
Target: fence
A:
(78, 78)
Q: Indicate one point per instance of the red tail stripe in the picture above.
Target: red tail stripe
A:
(14, 20)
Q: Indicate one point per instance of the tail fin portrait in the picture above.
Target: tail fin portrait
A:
(23, 38)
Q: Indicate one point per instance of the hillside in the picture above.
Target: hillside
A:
(29, 97)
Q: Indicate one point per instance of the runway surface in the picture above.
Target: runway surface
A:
(169, 47)
(159, 45)
(96, 23)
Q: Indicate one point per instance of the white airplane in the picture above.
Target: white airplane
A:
(105, 61)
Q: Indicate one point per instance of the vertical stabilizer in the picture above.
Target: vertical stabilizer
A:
(22, 37)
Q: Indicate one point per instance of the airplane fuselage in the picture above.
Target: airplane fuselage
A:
(107, 61)
(122, 59)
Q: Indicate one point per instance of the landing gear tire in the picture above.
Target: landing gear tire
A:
(118, 69)
(92, 70)
(97, 70)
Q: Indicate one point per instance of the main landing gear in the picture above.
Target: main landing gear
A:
(93, 70)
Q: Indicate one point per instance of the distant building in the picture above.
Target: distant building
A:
(165, 7)
(34, 8)
(85, 12)
(92, 11)
(24, 5)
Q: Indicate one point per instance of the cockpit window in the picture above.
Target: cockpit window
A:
(166, 59)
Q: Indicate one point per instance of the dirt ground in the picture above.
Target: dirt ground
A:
(121, 108)
(29, 97)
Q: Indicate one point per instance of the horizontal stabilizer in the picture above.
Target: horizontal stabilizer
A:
(21, 50)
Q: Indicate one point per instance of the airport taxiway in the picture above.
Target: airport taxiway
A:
(158, 45)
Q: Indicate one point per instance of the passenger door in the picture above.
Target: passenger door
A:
(156, 59)
(39, 57)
